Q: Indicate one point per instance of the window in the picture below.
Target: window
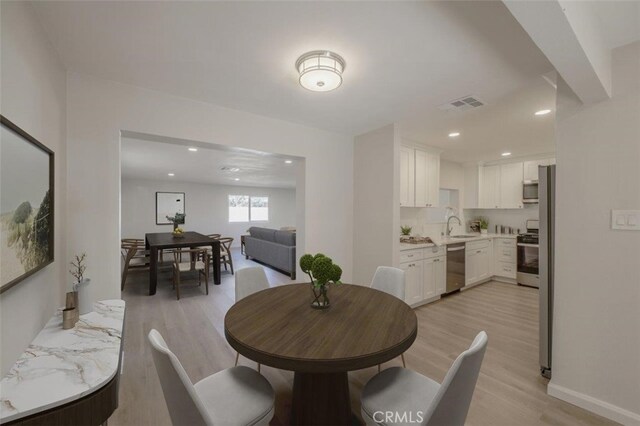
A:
(243, 208)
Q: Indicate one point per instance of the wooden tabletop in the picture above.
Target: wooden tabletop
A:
(362, 328)
(168, 240)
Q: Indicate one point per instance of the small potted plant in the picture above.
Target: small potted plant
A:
(322, 272)
(405, 230)
(484, 225)
(78, 267)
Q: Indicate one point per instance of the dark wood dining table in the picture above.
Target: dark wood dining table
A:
(362, 328)
(166, 240)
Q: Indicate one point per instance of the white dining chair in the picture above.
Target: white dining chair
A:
(248, 281)
(391, 281)
(412, 395)
(235, 396)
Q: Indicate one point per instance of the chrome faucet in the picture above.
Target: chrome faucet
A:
(449, 229)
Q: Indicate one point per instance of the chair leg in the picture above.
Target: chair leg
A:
(404, 364)
(124, 278)
(237, 357)
(231, 263)
(178, 284)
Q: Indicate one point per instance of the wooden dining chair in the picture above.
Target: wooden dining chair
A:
(198, 261)
(225, 253)
(134, 256)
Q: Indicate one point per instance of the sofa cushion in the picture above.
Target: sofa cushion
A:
(263, 233)
(286, 238)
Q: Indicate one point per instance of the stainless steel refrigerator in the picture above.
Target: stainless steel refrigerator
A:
(547, 205)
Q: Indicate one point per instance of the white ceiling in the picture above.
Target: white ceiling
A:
(153, 160)
(507, 125)
(402, 57)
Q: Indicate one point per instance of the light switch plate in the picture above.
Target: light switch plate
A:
(627, 220)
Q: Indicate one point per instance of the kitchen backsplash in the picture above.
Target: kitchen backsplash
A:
(428, 222)
(515, 218)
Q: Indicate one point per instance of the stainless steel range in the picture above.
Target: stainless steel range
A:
(528, 245)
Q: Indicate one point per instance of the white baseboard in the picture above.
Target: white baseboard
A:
(594, 405)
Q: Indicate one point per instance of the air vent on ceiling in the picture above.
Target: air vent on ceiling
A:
(462, 104)
(229, 169)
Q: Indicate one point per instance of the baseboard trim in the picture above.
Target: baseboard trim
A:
(604, 409)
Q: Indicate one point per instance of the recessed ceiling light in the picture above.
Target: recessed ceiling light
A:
(192, 149)
(288, 161)
(543, 112)
(454, 134)
(506, 154)
(230, 169)
(237, 179)
(320, 70)
(170, 174)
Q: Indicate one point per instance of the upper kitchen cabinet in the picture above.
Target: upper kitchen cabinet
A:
(511, 186)
(501, 186)
(419, 177)
(427, 172)
(407, 177)
(531, 168)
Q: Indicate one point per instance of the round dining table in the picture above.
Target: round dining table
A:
(362, 328)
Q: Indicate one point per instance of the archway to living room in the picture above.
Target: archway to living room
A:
(174, 189)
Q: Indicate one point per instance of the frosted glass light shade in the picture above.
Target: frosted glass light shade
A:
(320, 71)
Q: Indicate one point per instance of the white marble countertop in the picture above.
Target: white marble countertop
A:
(61, 366)
(441, 241)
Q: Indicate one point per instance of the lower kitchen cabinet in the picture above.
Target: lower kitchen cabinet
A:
(425, 274)
(505, 256)
(414, 277)
(478, 261)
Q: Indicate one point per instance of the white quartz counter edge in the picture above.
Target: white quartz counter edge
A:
(444, 241)
(61, 366)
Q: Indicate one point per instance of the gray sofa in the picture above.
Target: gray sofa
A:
(273, 248)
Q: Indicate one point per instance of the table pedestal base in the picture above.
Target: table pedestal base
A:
(321, 399)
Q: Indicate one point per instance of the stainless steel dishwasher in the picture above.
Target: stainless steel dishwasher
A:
(455, 266)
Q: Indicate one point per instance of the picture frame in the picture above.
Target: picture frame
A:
(27, 205)
(168, 204)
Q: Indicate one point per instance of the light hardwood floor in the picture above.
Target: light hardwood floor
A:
(510, 390)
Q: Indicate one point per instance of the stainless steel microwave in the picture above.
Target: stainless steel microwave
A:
(530, 191)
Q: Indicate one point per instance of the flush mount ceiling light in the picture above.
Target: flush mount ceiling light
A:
(237, 179)
(170, 174)
(543, 112)
(505, 154)
(288, 161)
(193, 149)
(320, 70)
(454, 134)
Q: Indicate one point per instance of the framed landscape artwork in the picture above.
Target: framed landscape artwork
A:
(26, 205)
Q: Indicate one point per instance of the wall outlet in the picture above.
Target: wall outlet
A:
(627, 220)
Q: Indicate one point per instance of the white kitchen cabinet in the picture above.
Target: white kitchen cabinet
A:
(505, 258)
(478, 261)
(490, 187)
(414, 281)
(531, 167)
(441, 275)
(511, 186)
(407, 177)
(501, 186)
(427, 178)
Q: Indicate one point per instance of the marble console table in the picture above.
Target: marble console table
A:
(67, 376)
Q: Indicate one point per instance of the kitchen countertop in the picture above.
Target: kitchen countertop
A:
(60, 366)
(441, 241)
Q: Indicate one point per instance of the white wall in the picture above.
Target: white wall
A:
(596, 342)
(206, 208)
(376, 183)
(98, 110)
(33, 90)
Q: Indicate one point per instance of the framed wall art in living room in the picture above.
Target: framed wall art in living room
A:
(26, 205)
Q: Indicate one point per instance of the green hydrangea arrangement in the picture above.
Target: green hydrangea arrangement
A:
(322, 272)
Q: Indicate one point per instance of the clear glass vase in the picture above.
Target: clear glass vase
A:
(320, 297)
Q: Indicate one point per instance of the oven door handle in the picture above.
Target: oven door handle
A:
(528, 245)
